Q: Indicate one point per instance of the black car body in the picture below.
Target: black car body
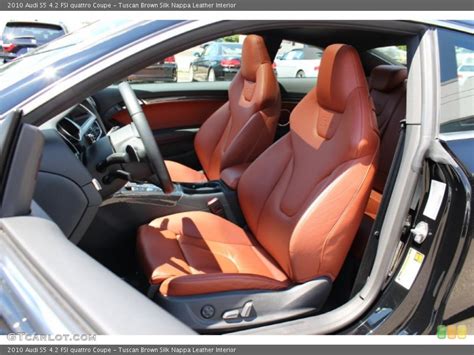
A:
(63, 79)
(219, 61)
(165, 70)
(20, 37)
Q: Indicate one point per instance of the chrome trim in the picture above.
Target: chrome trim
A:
(454, 136)
(289, 114)
(180, 99)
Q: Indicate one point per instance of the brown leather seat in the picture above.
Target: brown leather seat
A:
(242, 128)
(387, 85)
(302, 199)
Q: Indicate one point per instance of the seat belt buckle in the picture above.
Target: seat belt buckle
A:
(215, 207)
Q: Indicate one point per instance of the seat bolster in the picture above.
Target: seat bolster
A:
(169, 261)
(231, 176)
(181, 173)
(190, 285)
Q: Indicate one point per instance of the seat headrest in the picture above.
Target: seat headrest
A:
(340, 72)
(254, 54)
(387, 77)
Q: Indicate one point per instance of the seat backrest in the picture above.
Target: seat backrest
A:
(387, 85)
(304, 197)
(243, 127)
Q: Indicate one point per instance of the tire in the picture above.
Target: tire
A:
(211, 76)
(300, 74)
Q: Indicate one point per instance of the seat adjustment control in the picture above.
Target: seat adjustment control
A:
(246, 309)
(243, 312)
(232, 314)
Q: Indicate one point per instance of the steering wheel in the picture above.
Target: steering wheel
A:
(155, 159)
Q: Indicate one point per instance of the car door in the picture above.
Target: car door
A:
(49, 285)
(425, 291)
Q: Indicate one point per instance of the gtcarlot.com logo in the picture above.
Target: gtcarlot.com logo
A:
(452, 331)
(50, 337)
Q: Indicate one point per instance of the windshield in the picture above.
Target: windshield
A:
(43, 33)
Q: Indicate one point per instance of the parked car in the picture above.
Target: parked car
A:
(219, 61)
(466, 71)
(165, 71)
(21, 37)
(299, 63)
(312, 236)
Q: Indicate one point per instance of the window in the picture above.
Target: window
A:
(396, 55)
(294, 54)
(218, 60)
(298, 60)
(42, 33)
(456, 52)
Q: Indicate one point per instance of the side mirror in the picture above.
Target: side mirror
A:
(196, 54)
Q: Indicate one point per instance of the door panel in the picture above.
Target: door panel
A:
(175, 122)
(169, 113)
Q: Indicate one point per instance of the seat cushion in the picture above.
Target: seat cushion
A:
(218, 254)
(181, 173)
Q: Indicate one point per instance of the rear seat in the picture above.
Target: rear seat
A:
(387, 85)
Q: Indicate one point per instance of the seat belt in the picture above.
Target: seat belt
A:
(373, 241)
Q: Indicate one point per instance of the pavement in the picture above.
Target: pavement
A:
(460, 307)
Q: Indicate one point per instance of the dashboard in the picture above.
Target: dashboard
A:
(66, 188)
(83, 163)
(81, 127)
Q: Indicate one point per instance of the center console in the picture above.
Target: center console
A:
(135, 204)
(211, 196)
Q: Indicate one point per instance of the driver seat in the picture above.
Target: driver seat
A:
(241, 129)
(302, 199)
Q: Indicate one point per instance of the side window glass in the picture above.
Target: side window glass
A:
(297, 60)
(456, 52)
(217, 60)
(396, 55)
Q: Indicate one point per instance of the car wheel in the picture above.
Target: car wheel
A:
(211, 76)
(300, 74)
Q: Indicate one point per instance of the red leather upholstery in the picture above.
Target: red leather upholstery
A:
(174, 113)
(198, 243)
(303, 199)
(182, 173)
(241, 129)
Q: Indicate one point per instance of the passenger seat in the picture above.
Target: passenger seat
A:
(387, 84)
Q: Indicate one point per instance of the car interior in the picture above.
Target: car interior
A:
(235, 204)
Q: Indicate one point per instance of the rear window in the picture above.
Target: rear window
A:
(392, 54)
(232, 49)
(41, 32)
(466, 68)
